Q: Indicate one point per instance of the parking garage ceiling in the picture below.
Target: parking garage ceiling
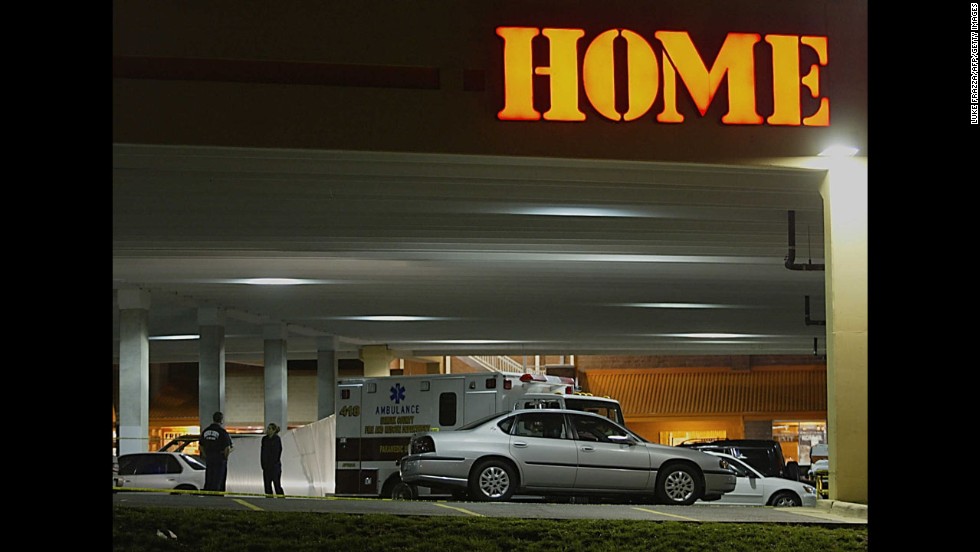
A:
(461, 254)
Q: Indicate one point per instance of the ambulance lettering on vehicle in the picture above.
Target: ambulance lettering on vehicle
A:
(376, 417)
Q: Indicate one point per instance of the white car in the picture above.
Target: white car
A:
(753, 488)
(159, 470)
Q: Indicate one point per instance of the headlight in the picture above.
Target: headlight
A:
(723, 464)
(809, 489)
(421, 445)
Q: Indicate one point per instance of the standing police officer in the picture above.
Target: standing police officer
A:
(215, 448)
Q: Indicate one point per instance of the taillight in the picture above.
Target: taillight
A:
(421, 445)
(508, 384)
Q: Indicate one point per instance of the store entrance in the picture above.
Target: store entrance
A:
(797, 437)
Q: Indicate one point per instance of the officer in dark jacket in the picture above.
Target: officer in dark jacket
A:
(215, 448)
(271, 460)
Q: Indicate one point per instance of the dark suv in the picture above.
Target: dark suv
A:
(762, 454)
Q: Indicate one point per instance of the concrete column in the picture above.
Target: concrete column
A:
(844, 190)
(276, 381)
(211, 364)
(845, 195)
(326, 376)
(377, 359)
(134, 371)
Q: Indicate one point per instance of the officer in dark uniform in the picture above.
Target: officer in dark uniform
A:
(215, 448)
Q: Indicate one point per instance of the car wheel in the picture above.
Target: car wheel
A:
(493, 480)
(785, 499)
(403, 491)
(679, 484)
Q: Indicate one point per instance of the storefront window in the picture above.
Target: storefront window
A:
(797, 437)
(674, 438)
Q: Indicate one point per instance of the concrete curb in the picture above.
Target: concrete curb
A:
(848, 509)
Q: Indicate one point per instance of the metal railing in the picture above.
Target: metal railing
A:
(498, 363)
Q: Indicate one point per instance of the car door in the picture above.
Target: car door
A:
(749, 486)
(155, 471)
(608, 458)
(540, 442)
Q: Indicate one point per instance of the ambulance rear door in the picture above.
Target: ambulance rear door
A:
(350, 413)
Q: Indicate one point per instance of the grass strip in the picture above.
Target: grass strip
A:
(135, 529)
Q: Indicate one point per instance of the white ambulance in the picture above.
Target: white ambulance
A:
(376, 417)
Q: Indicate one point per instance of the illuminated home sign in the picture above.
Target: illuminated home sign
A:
(648, 74)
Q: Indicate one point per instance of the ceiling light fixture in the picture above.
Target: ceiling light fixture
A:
(186, 337)
(389, 318)
(470, 341)
(709, 335)
(681, 306)
(577, 211)
(274, 281)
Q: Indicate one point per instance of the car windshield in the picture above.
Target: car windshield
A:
(481, 421)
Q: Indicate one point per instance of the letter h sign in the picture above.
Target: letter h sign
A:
(646, 73)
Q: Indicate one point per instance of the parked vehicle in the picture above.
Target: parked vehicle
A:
(553, 452)
(159, 470)
(764, 455)
(754, 488)
(187, 443)
(377, 416)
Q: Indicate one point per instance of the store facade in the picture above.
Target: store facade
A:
(738, 83)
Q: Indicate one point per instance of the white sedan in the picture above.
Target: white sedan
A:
(159, 470)
(753, 488)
